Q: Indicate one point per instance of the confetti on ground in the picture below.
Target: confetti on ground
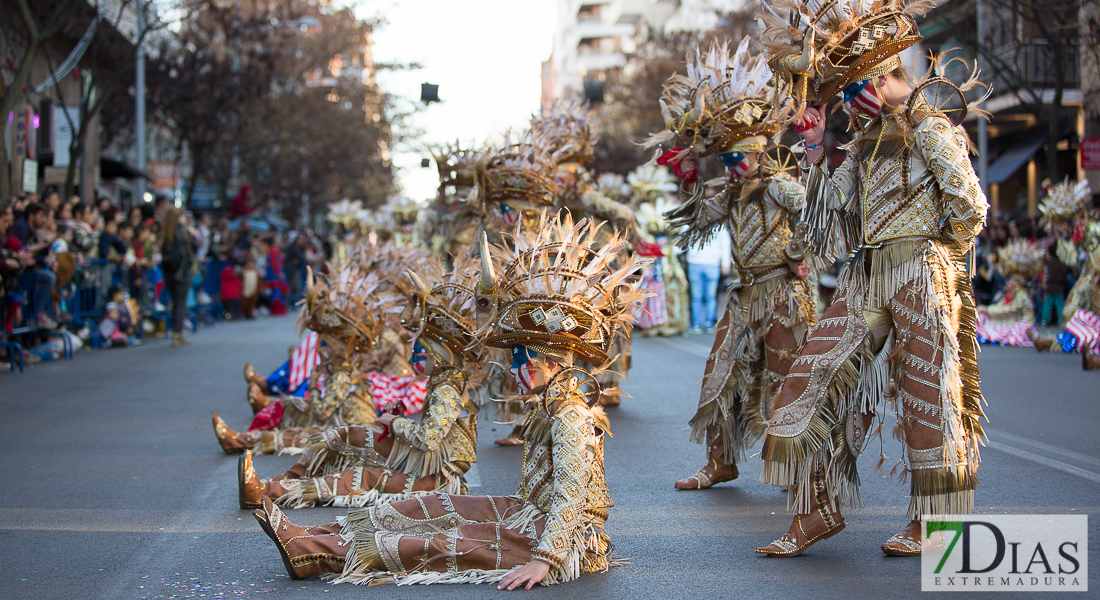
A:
(188, 585)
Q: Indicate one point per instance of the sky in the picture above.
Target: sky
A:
(486, 57)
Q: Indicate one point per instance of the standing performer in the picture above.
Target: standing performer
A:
(899, 332)
(399, 457)
(557, 301)
(772, 303)
(1011, 319)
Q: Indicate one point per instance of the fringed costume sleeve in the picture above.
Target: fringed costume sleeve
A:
(445, 407)
(574, 437)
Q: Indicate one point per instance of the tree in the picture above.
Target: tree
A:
(27, 27)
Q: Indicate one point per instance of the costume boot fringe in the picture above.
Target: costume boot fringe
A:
(941, 492)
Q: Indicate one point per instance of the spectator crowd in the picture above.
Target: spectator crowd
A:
(75, 274)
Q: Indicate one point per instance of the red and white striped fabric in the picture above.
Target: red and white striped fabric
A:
(409, 391)
(1085, 326)
(1009, 334)
(305, 357)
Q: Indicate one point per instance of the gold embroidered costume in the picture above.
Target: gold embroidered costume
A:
(899, 333)
(556, 295)
(721, 107)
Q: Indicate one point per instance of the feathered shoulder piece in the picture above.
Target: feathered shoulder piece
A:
(1065, 201)
(568, 132)
(820, 47)
(722, 99)
(559, 290)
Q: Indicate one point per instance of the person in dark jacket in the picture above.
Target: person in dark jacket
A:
(177, 255)
(1054, 287)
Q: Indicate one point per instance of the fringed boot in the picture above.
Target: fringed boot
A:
(343, 489)
(822, 522)
(251, 376)
(231, 441)
(256, 398)
(1089, 361)
(717, 470)
(305, 552)
(1042, 344)
(906, 542)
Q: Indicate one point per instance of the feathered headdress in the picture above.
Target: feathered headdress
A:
(722, 100)
(399, 214)
(819, 47)
(457, 165)
(1065, 201)
(1021, 258)
(520, 176)
(649, 182)
(652, 218)
(349, 215)
(445, 310)
(567, 132)
(559, 291)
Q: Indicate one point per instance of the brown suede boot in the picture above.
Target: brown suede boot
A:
(304, 555)
(716, 471)
(822, 522)
(906, 542)
(1089, 361)
(251, 376)
(1042, 344)
(256, 398)
(231, 441)
(250, 490)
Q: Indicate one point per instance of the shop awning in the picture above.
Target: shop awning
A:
(110, 168)
(1012, 159)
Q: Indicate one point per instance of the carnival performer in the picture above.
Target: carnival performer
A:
(557, 301)
(399, 456)
(354, 310)
(899, 332)
(1064, 207)
(1010, 320)
(724, 107)
(670, 307)
(571, 144)
(456, 218)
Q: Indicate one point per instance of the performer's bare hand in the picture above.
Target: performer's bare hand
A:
(799, 268)
(385, 419)
(814, 118)
(527, 575)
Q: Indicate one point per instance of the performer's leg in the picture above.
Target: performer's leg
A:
(231, 441)
(822, 521)
(718, 419)
(305, 552)
(939, 447)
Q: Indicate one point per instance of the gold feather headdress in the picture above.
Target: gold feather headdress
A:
(457, 164)
(819, 47)
(445, 310)
(652, 216)
(1021, 258)
(559, 291)
(521, 171)
(722, 100)
(567, 131)
(349, 215)
(1065, 201)
(649, 182)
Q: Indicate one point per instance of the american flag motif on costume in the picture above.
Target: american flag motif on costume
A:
(409, 391)
(1085, 326)
(305, 357)
(860, 97)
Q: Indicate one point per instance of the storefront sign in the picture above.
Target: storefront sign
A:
(166, 176)
(1090, 153)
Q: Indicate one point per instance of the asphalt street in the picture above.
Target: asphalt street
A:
(114, 486)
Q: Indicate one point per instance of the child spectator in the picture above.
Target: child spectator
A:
(230, 289)
(117, 326)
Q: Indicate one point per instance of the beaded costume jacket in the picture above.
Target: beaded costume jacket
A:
(897, 182)
(760, 217)
(563, 472)
(447, 429)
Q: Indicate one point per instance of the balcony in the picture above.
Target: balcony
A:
(1033, 64)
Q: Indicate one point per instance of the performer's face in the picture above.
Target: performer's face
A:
(527, 376)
